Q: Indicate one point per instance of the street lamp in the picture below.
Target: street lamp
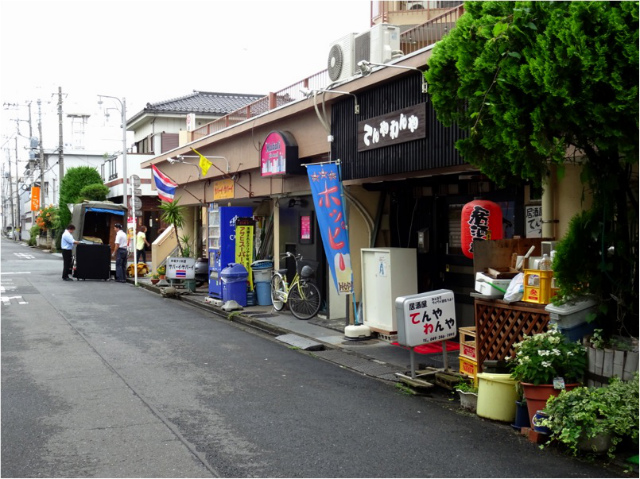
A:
(123, 111)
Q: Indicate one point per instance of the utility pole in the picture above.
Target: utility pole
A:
(42, 165)
(60, 142)
(17, 200)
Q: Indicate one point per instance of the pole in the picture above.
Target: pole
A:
(17, 236)
(42, 166)
(135, 239)
(60, 142)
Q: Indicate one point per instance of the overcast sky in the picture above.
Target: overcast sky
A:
(148, 51)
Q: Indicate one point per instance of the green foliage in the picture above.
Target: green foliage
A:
(75, 179)
(187, 247)
(583, 413)
(162, 270)
(94, 192)
(33, 232)
(536, 84)
(48, 218)
(173, 213)
(542, 357)
(466, 387)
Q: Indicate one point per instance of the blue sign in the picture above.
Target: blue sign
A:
(327, 198)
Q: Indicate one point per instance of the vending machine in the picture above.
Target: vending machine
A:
(222, 241)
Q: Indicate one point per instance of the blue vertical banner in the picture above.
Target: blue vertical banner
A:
(329, 205)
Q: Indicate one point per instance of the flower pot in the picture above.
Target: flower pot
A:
(537, 395)
(536, 423)
(468, 400)
(598, 444)
(155, 281)
(522, 416)
(497, 397)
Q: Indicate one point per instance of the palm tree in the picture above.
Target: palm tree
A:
(173, 214)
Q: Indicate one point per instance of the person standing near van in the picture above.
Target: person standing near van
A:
(66, 244)
(141, 241)
(120, 252)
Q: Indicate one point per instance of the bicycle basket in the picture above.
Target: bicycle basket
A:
(306, 272)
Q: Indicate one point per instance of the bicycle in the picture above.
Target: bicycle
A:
(302, 296)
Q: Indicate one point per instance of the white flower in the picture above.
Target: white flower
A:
(546, 364)
(556, 352)
(569, 353)
(542, 352)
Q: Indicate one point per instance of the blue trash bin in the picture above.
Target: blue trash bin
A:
(234, 283)
(263, 288)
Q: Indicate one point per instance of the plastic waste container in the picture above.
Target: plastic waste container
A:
(262, 271)
(234, 283)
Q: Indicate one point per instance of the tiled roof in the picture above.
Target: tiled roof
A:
(203, 102)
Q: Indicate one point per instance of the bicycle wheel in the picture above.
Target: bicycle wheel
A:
(304, 300)
(277, 292)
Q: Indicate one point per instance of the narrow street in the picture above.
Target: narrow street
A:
(101, 379)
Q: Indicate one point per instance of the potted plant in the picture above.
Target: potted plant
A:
(155, 278)
(544, 364)
(468, 395)
(162, 271)
(595, 420)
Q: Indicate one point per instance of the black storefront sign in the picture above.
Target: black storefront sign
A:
(393, 128)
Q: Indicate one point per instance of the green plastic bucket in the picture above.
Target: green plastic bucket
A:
(497, 397)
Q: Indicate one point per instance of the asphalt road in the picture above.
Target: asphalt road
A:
(101, 379)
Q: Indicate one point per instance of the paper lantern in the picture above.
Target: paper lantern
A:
(480, 220)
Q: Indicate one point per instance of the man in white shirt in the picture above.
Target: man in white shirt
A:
(120, 252)
(66, 244)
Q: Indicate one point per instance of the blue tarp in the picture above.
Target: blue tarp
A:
(104, 210)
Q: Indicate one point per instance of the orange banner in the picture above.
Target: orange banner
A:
(35, 198)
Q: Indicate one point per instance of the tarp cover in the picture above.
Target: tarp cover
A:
(105, 210)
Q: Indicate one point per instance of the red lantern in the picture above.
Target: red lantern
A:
(481, 220)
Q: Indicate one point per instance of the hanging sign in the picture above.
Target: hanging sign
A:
(533, 221)
(35, 198)
(244, 244)
(397, 127)
(426, 317)
(480, 220)
(279, 155)
(223, 189)
(327, 198)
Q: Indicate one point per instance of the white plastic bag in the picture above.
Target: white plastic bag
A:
(515, 290)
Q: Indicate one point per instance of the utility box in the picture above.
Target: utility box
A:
(387, 273)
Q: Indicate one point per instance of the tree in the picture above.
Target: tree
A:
(94, 192)
(538, 84)
(74, 180)
(173, 213)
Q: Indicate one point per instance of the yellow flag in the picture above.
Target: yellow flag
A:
(204, 163)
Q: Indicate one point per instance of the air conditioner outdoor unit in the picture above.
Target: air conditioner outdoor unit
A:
(377, 44)
(340, 64)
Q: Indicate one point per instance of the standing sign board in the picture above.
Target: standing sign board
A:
(244, 244)
(181, 268)
(426, 317)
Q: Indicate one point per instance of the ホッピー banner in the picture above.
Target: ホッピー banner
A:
(327, 198)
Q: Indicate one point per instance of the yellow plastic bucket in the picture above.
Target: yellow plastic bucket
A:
(497, 397)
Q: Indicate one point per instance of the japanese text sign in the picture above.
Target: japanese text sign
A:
(533, 221)
(35, 198)
(327, 199)
(396, 127)
(244, 245)
(426, 317)
(279, 155)
(181, 268)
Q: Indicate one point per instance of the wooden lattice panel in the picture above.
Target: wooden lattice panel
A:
(500, 325)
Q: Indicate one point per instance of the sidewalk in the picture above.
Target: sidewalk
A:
(372, 357)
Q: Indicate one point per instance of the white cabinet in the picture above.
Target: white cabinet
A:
(387, 273)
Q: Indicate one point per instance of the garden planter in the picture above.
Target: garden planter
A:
(522, 416)
(537, 395)
(468, 400)
(497, 397)
(599, 444)
(155, 281)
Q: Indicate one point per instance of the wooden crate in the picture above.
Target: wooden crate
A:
(499, 325)
(469, 368)
(468, 343)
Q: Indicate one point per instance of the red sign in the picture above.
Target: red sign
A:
(279, 155)
(481, 220)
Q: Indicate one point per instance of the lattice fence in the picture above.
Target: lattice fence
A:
(500, 325)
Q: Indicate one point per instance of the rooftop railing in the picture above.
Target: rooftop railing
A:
(411, 41)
